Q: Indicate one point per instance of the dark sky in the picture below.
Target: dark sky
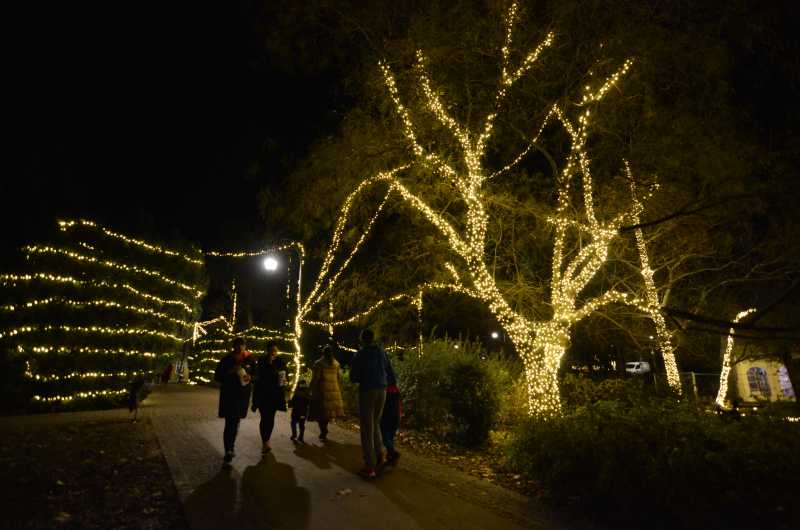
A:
(146, 117)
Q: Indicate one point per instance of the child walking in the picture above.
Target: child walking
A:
(300, 403)
(390, 421)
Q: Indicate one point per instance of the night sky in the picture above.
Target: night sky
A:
(148, 117)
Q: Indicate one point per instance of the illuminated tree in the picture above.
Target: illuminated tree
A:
(581, 236)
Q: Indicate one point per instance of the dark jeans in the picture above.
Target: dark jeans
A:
(229, 434)
(388, 439)
(267, 423)
(323, 428)
(302, 423)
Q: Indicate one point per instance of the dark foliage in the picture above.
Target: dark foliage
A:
(640, 461)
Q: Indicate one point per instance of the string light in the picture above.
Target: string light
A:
(726, 360)
(94, 303)
(653, 305)
(46, 249)
(233, 311)
(68, 224)
(101, 330)
(12, 279)
(79, 375)
(541, 343)
(79, 395)
(85, 349)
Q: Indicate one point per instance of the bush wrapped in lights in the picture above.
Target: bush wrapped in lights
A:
(94, 308)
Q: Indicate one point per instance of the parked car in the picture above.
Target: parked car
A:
(637, 367)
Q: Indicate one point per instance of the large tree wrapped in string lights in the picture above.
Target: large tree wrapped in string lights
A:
(582, 236)
(94, 308)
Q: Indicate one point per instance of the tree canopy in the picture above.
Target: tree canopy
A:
(691, 116)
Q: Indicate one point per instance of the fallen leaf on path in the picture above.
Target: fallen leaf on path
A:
(62, 518)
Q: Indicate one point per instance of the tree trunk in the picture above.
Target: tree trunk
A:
(542, 359)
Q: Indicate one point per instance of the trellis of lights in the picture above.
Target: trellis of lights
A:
(45, 277)
(540, 343)
(297, 327)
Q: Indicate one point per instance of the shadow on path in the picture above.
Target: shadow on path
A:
(271, 497)
(268, 497)
(431, 507)
(343, 455)
(213, 504)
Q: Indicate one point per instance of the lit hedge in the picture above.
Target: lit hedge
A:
(93, 308)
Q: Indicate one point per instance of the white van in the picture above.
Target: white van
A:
(637, 367)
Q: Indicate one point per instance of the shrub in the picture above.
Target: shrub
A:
(661, 464)
(349, 393)
(578, 391)
(454, 390)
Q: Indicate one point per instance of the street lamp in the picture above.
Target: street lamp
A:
(270, 264)
(495, 335)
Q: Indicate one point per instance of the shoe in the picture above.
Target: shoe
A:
(368, 473)
(293, 437)
(228, 457)
(266, 448)
(381, 461)
(394, 456)
(300, 440)
(323, 436)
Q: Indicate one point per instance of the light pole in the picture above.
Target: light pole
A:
(270, 264)
(653, 368)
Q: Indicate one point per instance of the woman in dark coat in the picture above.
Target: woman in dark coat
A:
(233, 374)
(269, 394)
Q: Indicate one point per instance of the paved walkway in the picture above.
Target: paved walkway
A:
(315, 486)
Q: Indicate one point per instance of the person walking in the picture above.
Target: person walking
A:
(300, 403)
(233, 372)
(372, 371)
(326, 394)
(390, 421)
(268, 395)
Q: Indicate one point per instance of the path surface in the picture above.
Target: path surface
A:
(315, 486)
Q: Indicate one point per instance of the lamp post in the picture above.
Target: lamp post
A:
(653, 368)
(270, 264)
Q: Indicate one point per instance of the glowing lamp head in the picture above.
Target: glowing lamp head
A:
(270, 264)
(495, 335)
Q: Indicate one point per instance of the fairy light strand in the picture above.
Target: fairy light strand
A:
(46, 249)
(724, 375)
(66, 225)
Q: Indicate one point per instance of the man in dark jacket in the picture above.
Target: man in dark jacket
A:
(233, 374)
(371, 369)
(268, 395)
